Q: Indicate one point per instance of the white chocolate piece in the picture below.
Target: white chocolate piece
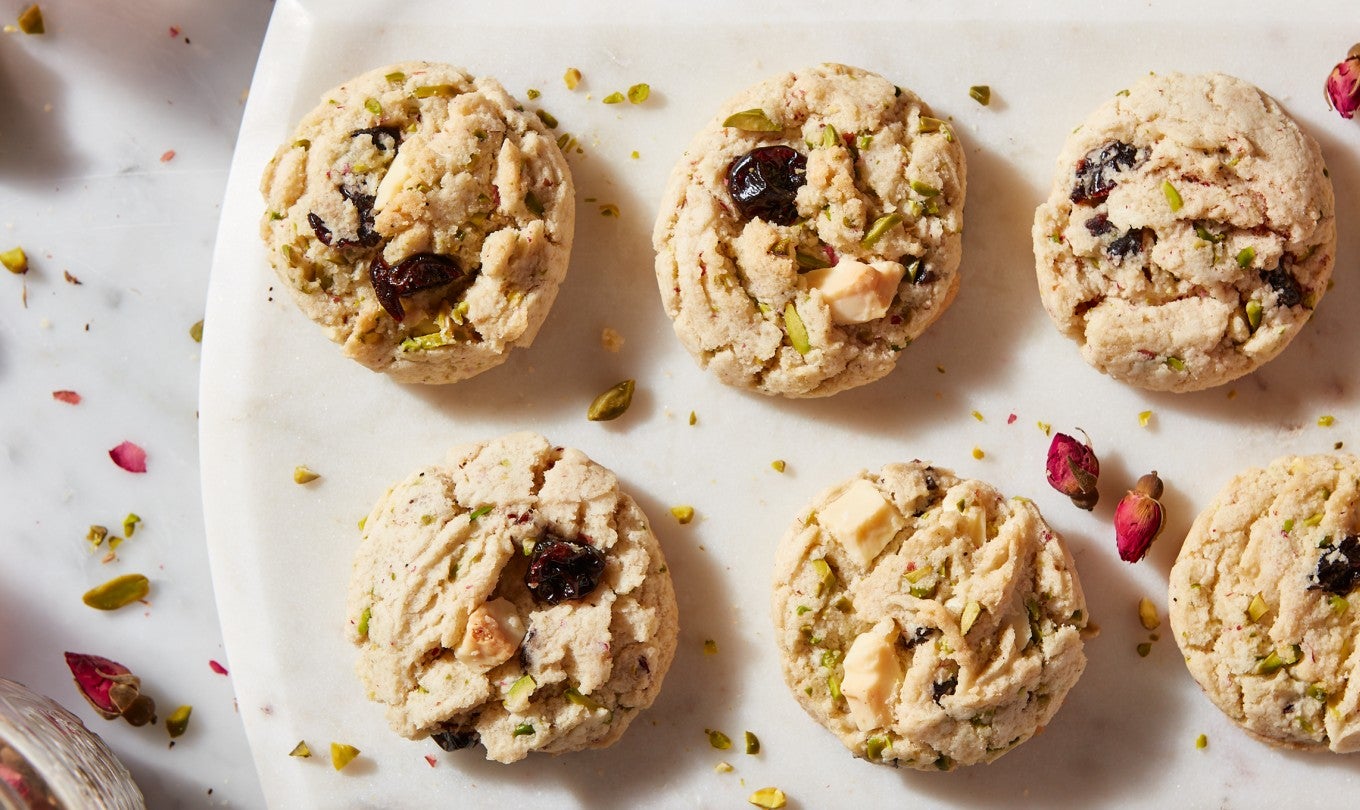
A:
(494, 631)
(862, 521)
(857, 292)
(397, 174)
(872, 673)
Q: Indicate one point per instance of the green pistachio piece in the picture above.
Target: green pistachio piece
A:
(396, 77)
(301, 750)
(1202, 741)
(612, 403)
(548, 119)
(1292, 655)
(15, 260)
(717, 739)
(523, 730)
(928, 124)
(1173, 197)
(1254, 314)
(342, 755)
(923, 188)
(1325, 420)
(639, 93)
(770, 798)
(1288, 525)
(875, 746)
(1144, 649)
(1338, 604)
(520, 691)
(531, 202)
(682, 514)
(830, 137)
(981, 93)
(752, 120)
(480, 511)
(302, 143)
(880, 228)
(1257, 608)
(95, 536)
(1174, 363)
(373, 106)
(435, 90)
(31, 20)
(971, 612)
(178, 721)
(1270, 664)
(752, 744)
(710, 647)
(863, 140)
(532, 94)
(421, 343)
(1317, 692)
(118, 592)
(1209, 236)
(833, 684)
(572, 78)
(1147, 614)
(1245, 257)
(826, 578)
(130, 524)
(363, 621)
(809, 259)
(303, 475)
(778, 465)
(793, 324)
(196, 332)
(574, 695)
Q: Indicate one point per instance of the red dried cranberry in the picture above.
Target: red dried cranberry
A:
(1287, 292)
(560, 570)
(764, 183)
(1338, 569)
(1095, 172)
(411, 275)
(454, 739)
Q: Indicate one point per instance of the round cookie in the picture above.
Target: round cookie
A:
(1263, 603)
(926, 620)
(811, 232)
(511, 596)
(1189, 234)
(423, 218)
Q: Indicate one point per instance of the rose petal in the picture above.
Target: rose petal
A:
(430, 759)
(130, 457)
(93, 675)
(218, 668)
(69, 397)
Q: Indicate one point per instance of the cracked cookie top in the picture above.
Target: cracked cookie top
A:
(1263, 601)
(423, 218)
(811, 232)
(1189, 234)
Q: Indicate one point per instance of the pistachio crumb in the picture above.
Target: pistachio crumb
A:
(302, 474)
(717, 739)
(31, 20)
(1174, 363)
(1144, 417)
(978, 453)
(609, 210)
(1147, 614)
(1144, 649)
(342, 755)
(683, 514)
(771, 798)
(710, 647)
(196, 332)
(572, 78)
(612, 403)
(548, 119)
(1202, 741)
(693, 418)
(977, 415)
(301, 750)
(1173, 197)
(981, 93)
(634, 155)
(613, 98)
(778, 465)
(752, 743)
(14, 259)
(639, 93)
(1326, 420)
(532, 93)
(723, 767)
(178, 721)
(1045, 427)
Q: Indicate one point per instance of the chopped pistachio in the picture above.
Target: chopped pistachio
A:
(548, 119)
(1292, 655)
(1144, 649)
(396, 77)
(778, 465)
(752, 743)
(710, 647)
(1313, 519)
(683, 514)
(178, 721)
(1326, 421)
(373, 106)
(809, 259)
(693, 418)
(928, 124)
(1257, 608)
(1202, 741)
(874, 747)
(1288, 525)
(1317, 692)
(31, 20)
(770, 798)
(130, 524)
(574, 695)
(634, 154)
(723, 767)
(342, 755)
(15, 260)
(609, 210)
(1338, 604)
(523, 730)
(923, 188)
(1209, 236)
(978, 416)
(1174, 363)
(717, 739)
(1144, 417)
(980, 93)
(532, 94)
(978, 453)
(363, 621)
(613, 98)
(826, 578)
(479, 512)
(531, 202)
(301, 750)
(1173, 197)
(572, 78)
(863, 140)
(196, 332)
(117, 592)
(639, 93)
(1246, 256)
(1147, 614)
(833, 684)
(302, 143)
(434, 90)
(612, 403)
(752, 120)
(303, 475)
(1045, 427)
(1269, 664)
(95, 536)
(969, 617)
(880, 228)
(793, 324)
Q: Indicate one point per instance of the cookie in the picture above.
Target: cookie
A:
(811, 232)
(423, 219)
(511, 596)
(1263, 601)
(926, 620)
(1189, 234)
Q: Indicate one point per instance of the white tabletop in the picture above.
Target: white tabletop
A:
(115, 140)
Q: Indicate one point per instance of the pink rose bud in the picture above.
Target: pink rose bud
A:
(1073, 469)
(111, 689)
(1343, 85)
(1138, 518)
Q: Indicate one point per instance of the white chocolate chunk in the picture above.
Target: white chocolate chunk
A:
(857, 292)
(862, 521)
(397, 174)
(872, 673)
(494, 631)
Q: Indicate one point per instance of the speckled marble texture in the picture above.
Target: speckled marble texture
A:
(114, 148)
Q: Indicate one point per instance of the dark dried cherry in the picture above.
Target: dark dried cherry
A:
(1338, 569)
(380, 136)
(560, 570)
(1095, 172)
(764, 183)
(1131, 243)
(1099, 225)
(945, 687)
(410, 275)
(1284, 284)
(363, 205)
(455, 739)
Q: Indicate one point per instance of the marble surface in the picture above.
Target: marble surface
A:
(88, 186)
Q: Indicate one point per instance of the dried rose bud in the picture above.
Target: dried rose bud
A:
(111, 689)
(1343, 85)
(1073, 469)
(1138, 518)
